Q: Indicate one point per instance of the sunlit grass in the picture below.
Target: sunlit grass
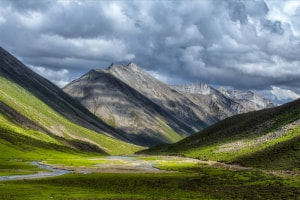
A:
(37, 111)
(191, 181)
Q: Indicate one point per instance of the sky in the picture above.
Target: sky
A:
(242, 44)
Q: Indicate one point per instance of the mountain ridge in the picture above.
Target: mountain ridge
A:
(247, 100)
(150, 108)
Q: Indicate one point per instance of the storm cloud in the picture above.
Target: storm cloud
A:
(244, 44)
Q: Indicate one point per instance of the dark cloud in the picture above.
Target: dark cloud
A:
(274, 27)
(246, 44)
(28, 5)
(238, 12)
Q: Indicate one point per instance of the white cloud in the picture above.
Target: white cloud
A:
(114, 11)
(165, 78)
(285, 11)
(291, 7)
(31, 19)
(59, 77)
(284, 94)
(89, 48)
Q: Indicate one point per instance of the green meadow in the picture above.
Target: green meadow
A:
(181, 179)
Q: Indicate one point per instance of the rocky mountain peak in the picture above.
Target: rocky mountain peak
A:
(130, 67)
(134, 66)
(113, 66)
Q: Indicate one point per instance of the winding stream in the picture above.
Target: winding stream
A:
(43, 174)
(128, 163)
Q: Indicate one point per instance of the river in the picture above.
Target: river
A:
(43, 174)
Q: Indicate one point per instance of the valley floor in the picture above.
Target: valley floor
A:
(146, 177)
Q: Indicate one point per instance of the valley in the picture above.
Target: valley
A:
(126, 135)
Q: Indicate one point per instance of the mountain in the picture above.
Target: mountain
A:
(36, 114)
(148, 111)
(222, 103)
(268, 138)
(248, 99)
(131, 100)
(212, 101)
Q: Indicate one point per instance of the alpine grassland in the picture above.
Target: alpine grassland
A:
(179, 181)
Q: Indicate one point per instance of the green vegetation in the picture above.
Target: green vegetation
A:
(284, 155)
(18, 149)
(191, 182)
(88, 162)
(111, 121)
(168, 132)
(56, 137)
(38, 112)
(266, 139)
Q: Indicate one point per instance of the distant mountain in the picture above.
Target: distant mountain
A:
(248, 99)
(222, 103)
(212, 101)
(268, 138)
(33, 111)
(148, 111)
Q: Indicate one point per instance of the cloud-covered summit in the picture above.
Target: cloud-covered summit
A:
(245, 44)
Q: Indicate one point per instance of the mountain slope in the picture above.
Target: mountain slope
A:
(178, 105)
(268, 138)
(15, 71)
(148, 111)
(58, 119)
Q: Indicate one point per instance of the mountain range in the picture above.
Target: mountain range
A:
(151, 112)
(121, 106)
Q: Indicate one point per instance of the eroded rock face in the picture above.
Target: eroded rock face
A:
(146, 110)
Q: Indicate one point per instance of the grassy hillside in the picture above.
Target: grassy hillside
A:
(267, 139)
(56, 129)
